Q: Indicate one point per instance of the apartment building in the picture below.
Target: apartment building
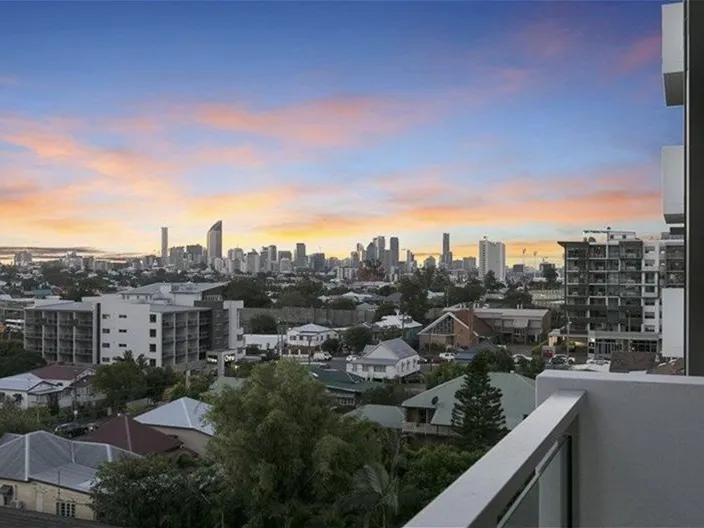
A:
(613, 289)
(492, 257)
(178, 325)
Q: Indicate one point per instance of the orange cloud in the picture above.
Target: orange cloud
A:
(329, 122)
(641, 53)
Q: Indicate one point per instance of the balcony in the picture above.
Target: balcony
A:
(673, 53)
(673, 184)
(600, 450)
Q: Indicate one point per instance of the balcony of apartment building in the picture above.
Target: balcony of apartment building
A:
(599, 450)
(580, 253)
(631, 277)
(597, 252)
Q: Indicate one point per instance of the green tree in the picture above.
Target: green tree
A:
(377, 493)
(252, 291)
(444, 372)
(387, 394)
(491, 283)
(293, 298)
(148, 492)
(389, 332)
(414, 299)
(496, 359)
(550, 275)
(20, 421)
(383, 310)
(157, 381)
(478, 416)
(434, 467)
(517, 297)
(357, 337)
(263, 324)
(15, 360)
(532, 368)
(285, 453)
(333, 346)
(121, 381)
(342, 303)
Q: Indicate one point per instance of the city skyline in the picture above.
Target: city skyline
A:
(523, 124)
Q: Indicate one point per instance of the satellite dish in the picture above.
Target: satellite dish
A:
(434, 401)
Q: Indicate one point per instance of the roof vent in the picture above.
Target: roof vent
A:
(435, 400)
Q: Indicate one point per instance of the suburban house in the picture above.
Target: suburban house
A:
(130, 435)
(309, 336)
(429, 414)
(454, 329)
(389, 359)
(184, 418)
(46, 473)
(263, 342)
(345, 387)
(77, 378)
(386, 416)
(405, 323)
(27, 390)
(517, 325)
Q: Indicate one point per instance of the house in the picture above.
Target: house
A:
(405, 323)
(27, 390)
(390, 359)
(130, 435)
(517, 325)
(429, 414)
(345, 387)
(309, 336)
(387, 416)
(15, 518)
(460, 328)
(263, 342)
(77, 378)
(46, 473)
(184, 418)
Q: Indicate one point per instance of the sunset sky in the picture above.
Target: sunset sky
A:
(330, 123)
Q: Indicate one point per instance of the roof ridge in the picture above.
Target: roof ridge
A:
(127, 432)
(185, 411)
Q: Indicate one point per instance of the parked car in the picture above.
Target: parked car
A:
(322, 356)
(447, 356)
(518, 357)
(351, 357)
(422, 360)
(561, 359)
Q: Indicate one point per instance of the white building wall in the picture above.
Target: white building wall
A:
(125, 326)
(492, 257)
(673, 322)
(673, 184)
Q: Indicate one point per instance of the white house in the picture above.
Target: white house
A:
(387, 360)
(27, 390)
(309, 336)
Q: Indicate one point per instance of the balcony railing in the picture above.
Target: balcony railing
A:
(601, 449)
(501, 488)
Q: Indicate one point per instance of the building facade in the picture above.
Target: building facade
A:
(492, 257)
(214, 241)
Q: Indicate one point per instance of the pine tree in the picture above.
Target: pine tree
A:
(478, 416)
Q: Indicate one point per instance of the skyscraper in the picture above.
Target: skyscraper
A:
(164, 246)
(446, 256)
(393, 247)
(492, 257)
(214, 241)
(300, 258)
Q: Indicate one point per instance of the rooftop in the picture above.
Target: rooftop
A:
(130, 435)
(174, 287)
(56, 371)
(388, 416)
(174, 308)
(184, 413)
(310, 327)
(64, 307)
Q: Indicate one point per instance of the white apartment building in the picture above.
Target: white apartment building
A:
(492, 257)
(178, 325)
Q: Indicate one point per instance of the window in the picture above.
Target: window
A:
(106, 345)
(152, 362)
(152, 318)
(122, 345)
(106, 316)
(105, 359)
(152, 332)
(106, 330)
(122, 331)
(379, 368)
(122, 316)
(65, 509)
(152, 347)
(650, 289)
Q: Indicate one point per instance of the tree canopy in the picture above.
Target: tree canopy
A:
(251, 290)
(15, 360)
(414, 298)
(263, 324)
(357, 337)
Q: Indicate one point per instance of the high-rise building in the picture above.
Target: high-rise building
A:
(273, 256)
(195, 254)
(492, 257)
(301, 260)
(164, 246)
(214, 241)
(253, 262)
(446, 256)
(394, 256)
(380, 243)
(285, 254)
(317, 262)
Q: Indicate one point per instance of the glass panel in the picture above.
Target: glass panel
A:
(551, 479)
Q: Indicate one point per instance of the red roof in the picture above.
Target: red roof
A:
(126, 433)
(59, 372)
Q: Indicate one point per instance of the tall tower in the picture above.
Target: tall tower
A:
(300, 256)
(446, 257)
(214, 241)
(164, 245)
(492, 257)
(394, 249)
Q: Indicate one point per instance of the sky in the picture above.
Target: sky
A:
(330, 123)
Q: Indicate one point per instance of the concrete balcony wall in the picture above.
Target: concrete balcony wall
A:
(673, 322)
(673, 53)
(673, 184)
(638, 448)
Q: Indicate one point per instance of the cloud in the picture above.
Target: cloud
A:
(331, 122)
(546, 39)
(641, 53)
(9, 80)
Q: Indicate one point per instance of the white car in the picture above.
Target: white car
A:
(447, 356)
(322, 356)
(351, 357)
(519, 357)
